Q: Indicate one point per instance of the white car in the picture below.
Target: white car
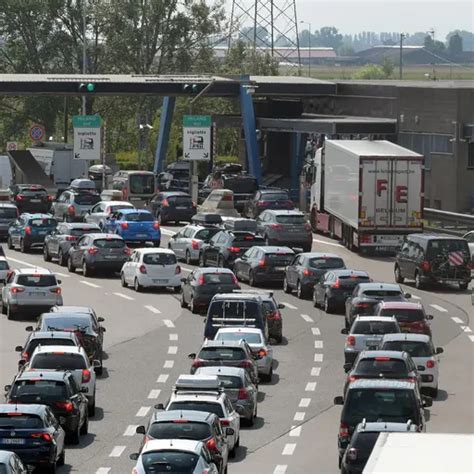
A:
(69, 358)
(4, 269)
(204, 393)
(470, 242)
(187, 243)
(174, 455)
(421, 349)
(256, 341)
(151, 268)
(103, 210)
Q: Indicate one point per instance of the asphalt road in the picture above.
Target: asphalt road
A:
(149, 337)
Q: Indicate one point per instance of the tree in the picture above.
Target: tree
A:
(329, 37)
(455, 45)
(387, 67)
(434, 46)
(467, 38)
(371, 71)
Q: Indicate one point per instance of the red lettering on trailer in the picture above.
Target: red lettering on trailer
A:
(401, 194)
(381, 186)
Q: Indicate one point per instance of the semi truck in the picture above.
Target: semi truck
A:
(368, 194)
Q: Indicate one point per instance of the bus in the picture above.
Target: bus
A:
(138, 187)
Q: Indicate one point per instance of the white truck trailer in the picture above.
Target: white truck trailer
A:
(367, 193)
(434, 453)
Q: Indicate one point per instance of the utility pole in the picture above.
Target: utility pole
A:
(402, 37)
(84, 50)
(309, 46)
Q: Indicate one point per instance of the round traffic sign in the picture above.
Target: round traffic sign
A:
(36, 132)
(12, 146)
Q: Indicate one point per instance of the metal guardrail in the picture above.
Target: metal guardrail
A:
(448, 222)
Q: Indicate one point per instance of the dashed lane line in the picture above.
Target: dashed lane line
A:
(172, 349)
(88, 283)
(21, 262)
(439, 308)
(173, 337)
(280, 469)
(154, 394)
(289, 305)
(332, 244)
(289, 449)
(143, 411)
(315, 371)
(318, 357)
(168, 232)
(131, 430)
(168, 364)
(316, 331)
(299, 416)
(307, 318)
(117, 451)
(103, 470)
(318, 344)
(168, 323)
(295, 432)
(466, 328)
(125, 297)
(310, 387)
(304, 402)
(151, 308)
(471, 338)
(457, 320)
(162, 378)
(415, 297)
(62, 275)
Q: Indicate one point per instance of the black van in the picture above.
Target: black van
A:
(379, 400)
(434, 258)
(235, 309)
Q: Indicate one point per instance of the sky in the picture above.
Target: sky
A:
(408, 16)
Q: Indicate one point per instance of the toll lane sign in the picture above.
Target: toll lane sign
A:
(197, 137)
(87, 137)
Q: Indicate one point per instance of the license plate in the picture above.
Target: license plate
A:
(181, 207)
(160, 281)
(41, 232)
(35, 200)
(142, 235)
(37, 293)
(12, 441)
(110, 257)
(372, 342)
(280, 269)
(62, 420)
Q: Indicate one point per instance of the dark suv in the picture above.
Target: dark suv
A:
(434, 258)
(31, 198)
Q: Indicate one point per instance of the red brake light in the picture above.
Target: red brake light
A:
(246, 364)
(343, 430)
(307, 272)
(17, 289)
(337, 284)
(197, 363)
(425, 266)
(68, 406)
(351, 340)
(201, 280)
(225, 422)
(86, 375)
(276, 226)
(362, 305)
(274, 316)
(178, 270)
(45, 436)
(25, 355)
(165, 203)
(194, 204)
(124, 225)
(55, 290)
(234, 280)
(156, 225)
(262, 262)
(195, 244)
(28, 230)
(307, 227)
(411, 379)
(243, 394)
(142, 269)
(92, 250)
(430, 364)
(262, 353)
(352, 378)
(233, 249)
(20, 197)
(70, 238)
(127, 251)
(382, 359)
(211, 445)
(181, 420)
(71, 210)
(50, 198)
(263, 203)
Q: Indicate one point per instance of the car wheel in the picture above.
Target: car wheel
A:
(328, 308)
(220, 261)
(463, 285)
(434, 392)
(157, 243)
(202, 260)
(286, 286)
(86, 271)
(122, 280)
(252, 281)
(183, 301)
(268, 377)
(315, 300)
(61, 258)
(177, 289)
(418, 282)
(398, 275)
(192, 306)
(46, 256)
(85, 426)
(91, 409)
(62, 458)
(70, 266)
(74, 436)
(51, 467)
(10, 313)
(300, 292)
(137, 287)
(9, 243)
(251, 421)
(23, 247)
(4, 308)
(187, 258)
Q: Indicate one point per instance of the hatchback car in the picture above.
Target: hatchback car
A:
(187, 243)
(61, 239)
(73, 204)
(103, 209)
(203, 283)
(30, 290)
(411, 317)
(10, 463)
(60, 392)
(31, 198)
(334, 287)
(4, 269)
(434, 258)
(172, 206)
(98, 252)
(306, 269)
(270, 198)
(29, 231)
(8, 215)
(273, 315)
(33, 433)
(263, 264)
(289, 228)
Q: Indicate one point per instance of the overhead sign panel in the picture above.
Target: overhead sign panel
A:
(87, 137)
(197, 137)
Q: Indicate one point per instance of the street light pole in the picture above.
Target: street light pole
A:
(402, 37)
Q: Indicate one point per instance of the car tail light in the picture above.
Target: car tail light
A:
(307, 227)
(382, 359)
(71, 210)
(201, 280)
(246, 364)
(156, 225)
(276, 226)
(177, 270)
(194, 204)
(233, 249)
(165, 203)
(50, 198)
(243, 394)
(353, 378)
(352, 454)
(147, 438)
(411, 379)
(20, 197)
(195, 244)
(44, 436)
(127, 251)
(234, 280)
(225, 422)
(25, 356)
(262, 263)
(70, 238)
(227, 197)
(351, 340)
(263, 203)
(56, 290)
(86, 375)
(17, 289)
(337, 284)
(361, 305)
(28, 230)
(365, 239)
(307, 272)
(262, 353)
(425, 266)
(274, 316)
(430, 364)
(142, 269)
(343, 430)
(124, 225)
(290, 204)
(198, 363)
(67, 406)
(211, 445)
(92, 250)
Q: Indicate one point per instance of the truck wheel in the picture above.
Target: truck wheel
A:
(398, 275)
(286, 287)
(463, 285)
(61, 258)
(9, 243)
(328, 307)
(70, 266)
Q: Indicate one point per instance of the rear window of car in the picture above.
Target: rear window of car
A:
(86, 198)
(240, 184)
(279, 258)
(4, 265)
(42, 222)
(67, 323)
(404, 315)
(291, 219)
(8, 213)
(109, 243)
(383, 293)
(218, 278)
(414, 348)
(138, 217)
(184, 201)
(159, 259)
(230, 381)
(78, 232)
(233, 309)
(206, 234)
(249, 337)
(209, 407)
(179, 429)
(382, 366)
(115, 208)
(178, 462)
(51, 341)
(222, 353)
(442, 247)
(37, 281)
(275, 197)
(58, 361)
(246, 240)
(365, 442)
(324, 263)
(37, 391)
(374, 327)
(19, 420)
(32, 191)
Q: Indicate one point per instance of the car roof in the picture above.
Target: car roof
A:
(155, 250)
(52, 335)
(116, 203)
(211, 343)
(406, 336)
(400, 305)
(72, 309)
(34, 271)
(375, 318)
(65, 349)
(173, 445)
(377, 353)
(191, 415)
(433, 236)
(274, 249)
(222, 370)
(8, 204)
(30, 408)
(381, 384)
(380, 286)
(348, 271)
(384, 426)
(214, 270)
(38, 374)
(102, 235)
(281, 212)
(80, 225)
(236, 297)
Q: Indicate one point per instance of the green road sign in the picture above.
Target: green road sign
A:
(199, 121)
(86, 121)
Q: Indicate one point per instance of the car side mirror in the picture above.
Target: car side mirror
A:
(347, 367)
(192, 355)
(338, 401)
(134, 456)
(420, 368)
(84, 390)
(103, 329)
(29, 328)
(429, 317)
(159, 406)
(59, 281)
(140, 430)
(344, 331)
(427, 401)
(439, 350)
(229, 431)
(19, 348)
(408, 295)
(100, 319)
(7, 388)
(281, 306)
(184, 280)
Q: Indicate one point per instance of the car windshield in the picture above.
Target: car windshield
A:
(109, 243)
(218, 278)
(324, 263)
(404, 315)
(66, 323)
(382, 366)
(374, 327)
(169, 461)
(8, 213)
(443, 247)
(275, 197)
(206, 234)
(414, 348)
(58, 361)
(38, 391)
(138, 217)
(291, 219)
(379, 404)
(249, 337)
(241, 184)
(159, 259)
(4, 265)
(17, 420)
(142, 184)
(383, 293)
(42, 222)
(350, 281)
(37, 281)
(279, 258)
(86, 199)
(208, 407)
(179, 428)
(222, 353)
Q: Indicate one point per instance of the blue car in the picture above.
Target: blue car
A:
(30, 230)
(134, 226)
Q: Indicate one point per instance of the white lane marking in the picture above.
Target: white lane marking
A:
(173, 337)
(117, 451)
(155, 393)
(295, 431)
(172, 349)
(327, 243)
(415, 297)
(168, 232)
(151, 308)
(125, 297)
(143, 411)
(466, 328)
(21, 262)
(318, 344)
(62, 275)
(318, 357)
(299, 416)
(457, 320)
(88, 283)
(471, 338)
(439, 308)
(307, 318)
(131, 430)
(289, 449)
(103, 470)
(280, 469)
(162, 378)
(316, 331)
(289, 305)
(304, 402)
(168, 364)
(183, 269)
(315, 371)
(168, 323)
(310, 387)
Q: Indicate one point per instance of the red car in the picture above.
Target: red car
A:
(411, 317)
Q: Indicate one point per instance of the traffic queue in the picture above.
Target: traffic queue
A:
(389, 356)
